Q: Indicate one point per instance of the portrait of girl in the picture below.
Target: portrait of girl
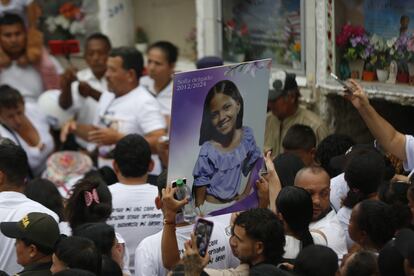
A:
(228, 150)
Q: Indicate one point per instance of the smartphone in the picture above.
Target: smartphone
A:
(348, 88)
(202, 231)
(263, 170)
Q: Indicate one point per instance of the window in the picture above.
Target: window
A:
(256, 29)
(374, 40)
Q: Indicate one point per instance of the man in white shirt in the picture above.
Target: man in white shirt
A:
(80, 91)
(149, 255)
(134, 215)
(14, 205)
(127, 109)
(31, 79)
(317, 182)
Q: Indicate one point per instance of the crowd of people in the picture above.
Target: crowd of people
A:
(83, 187)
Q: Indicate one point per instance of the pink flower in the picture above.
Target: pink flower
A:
(244, 30)
(231, 24)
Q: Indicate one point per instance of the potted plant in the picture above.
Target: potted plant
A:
(141, 39)
(369, 70)
(355, 45)
(236, 40)
(379, 57)
(399, 52)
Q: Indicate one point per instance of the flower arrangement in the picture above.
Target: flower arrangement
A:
(69, 22)
(379, 58)
(294, 51)
(236, 37)
(354, 41)
(398, 49)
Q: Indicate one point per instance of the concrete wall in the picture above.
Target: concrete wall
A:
(170, 20)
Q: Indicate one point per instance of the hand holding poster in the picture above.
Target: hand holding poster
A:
(216, 138)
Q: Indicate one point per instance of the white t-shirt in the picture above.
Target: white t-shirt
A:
(164, 97)
(13, 207)
(148, 257)
(134, 214)
(136, 112)
(36, 155)
(293, 245)
(329, 225)
(27, 80)
(409, 151)
(86, 108)
(339, 190)
(344, 215)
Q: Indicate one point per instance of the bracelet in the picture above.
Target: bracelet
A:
(166, 222)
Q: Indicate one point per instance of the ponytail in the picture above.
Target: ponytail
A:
(305, 238)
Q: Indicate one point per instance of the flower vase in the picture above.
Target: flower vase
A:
(382, 75)
(368, 76)
(356, 67)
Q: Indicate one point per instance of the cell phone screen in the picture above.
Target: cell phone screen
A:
(202, 231)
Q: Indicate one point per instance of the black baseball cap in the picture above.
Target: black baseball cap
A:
(39, 228)
(282, 84)
(209, 61)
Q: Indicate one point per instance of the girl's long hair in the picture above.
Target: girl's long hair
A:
(229, 88)
(295, 205)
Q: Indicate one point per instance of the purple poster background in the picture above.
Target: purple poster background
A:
(189, 92)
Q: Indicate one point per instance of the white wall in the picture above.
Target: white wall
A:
(170, 20)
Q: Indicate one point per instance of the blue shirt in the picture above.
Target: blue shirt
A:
(221, 171)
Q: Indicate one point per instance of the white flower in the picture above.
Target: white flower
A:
(51, 25)
(77, 27)
(61, 21)
(391, 42)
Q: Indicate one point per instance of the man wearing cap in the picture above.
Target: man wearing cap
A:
(36, 235)
(209, 61)
(14, 205)
(285, 111)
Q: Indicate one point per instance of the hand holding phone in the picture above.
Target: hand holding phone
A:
(348, 88)
(263, 170)
(202, 231)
